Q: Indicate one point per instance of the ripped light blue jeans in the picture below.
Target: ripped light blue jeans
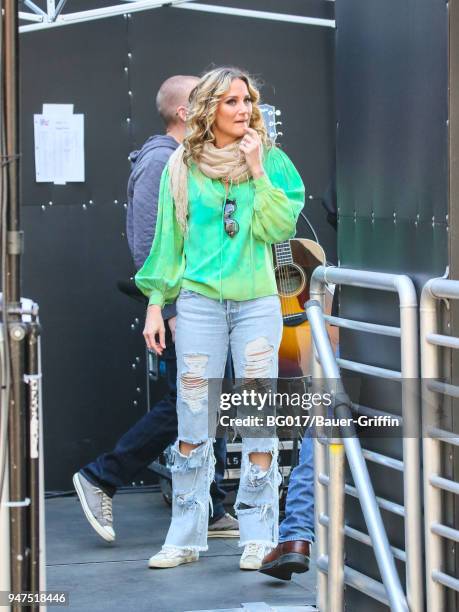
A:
(205, 329)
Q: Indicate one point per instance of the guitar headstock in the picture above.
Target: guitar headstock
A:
(270, 114)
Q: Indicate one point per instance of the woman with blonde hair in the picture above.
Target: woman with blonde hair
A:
(226, 195)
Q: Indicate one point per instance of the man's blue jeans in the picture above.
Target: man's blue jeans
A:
(146, 440)
(299, 508)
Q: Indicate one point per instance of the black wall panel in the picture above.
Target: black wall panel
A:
(392, 116)
(73, 260)
(76, 250)
(392, 175)
(81, 65)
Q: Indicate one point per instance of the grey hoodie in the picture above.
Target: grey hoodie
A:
(147, 166)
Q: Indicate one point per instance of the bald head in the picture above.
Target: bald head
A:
(172, 94)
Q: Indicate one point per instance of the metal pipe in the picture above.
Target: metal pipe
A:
(390, 462)
(435, 594)
(33, 382)
(11, 90)
(371, 328)
(441, 340)
(444, 484)
(364, 538)
(372, 412)
(336, 458)
(17, 435)
(320, 466)
(5, 577)
(15, 329)
(380, 459)
(36, 9)
(100, 13)
(411, 412)
(50, 9)
(369, 370)
(446, 580)
(375, 525)
(445, 532)
(441, 387)
(367, 280)
(382, 502)
(237, 12)
(442, 288)
(358, 581)
(443, 435)
(30, 16)
(41, 474)
(59, 8)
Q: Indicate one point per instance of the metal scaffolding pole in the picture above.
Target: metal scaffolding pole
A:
(14, 327)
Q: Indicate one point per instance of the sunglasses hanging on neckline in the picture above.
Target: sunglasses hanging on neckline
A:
(231, 225)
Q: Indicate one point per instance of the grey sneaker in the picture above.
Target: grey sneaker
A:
(225, 527)
(96, 505)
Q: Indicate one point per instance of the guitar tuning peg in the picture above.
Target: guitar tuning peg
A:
(280, 133)
(278, 112)
(278, 123)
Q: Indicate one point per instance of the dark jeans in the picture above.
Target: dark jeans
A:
(146, 440)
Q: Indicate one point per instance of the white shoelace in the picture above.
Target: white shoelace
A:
(106, 505)
(253, 549)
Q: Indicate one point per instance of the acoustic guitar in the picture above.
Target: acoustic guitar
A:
(294, 262)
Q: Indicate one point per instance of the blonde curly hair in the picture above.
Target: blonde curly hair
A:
(204, 99)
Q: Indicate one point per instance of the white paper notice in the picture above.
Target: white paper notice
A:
(59, 145)
(57, 110)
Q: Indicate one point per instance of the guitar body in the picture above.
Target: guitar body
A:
(295, 261)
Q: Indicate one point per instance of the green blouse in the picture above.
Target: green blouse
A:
(207, 260)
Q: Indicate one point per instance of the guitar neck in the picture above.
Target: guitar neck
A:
(283, 252)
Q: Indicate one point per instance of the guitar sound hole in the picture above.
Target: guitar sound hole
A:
(290, 280)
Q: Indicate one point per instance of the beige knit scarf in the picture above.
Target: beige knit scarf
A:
(225, 163)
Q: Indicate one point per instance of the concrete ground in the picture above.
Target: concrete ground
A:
(101, 576)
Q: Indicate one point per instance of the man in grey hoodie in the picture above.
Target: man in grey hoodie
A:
(97, 482)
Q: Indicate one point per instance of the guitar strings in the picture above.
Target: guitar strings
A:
(284, 284)
(284, 278)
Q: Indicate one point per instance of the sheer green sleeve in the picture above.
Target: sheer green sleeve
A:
(279, 199)
(160, 276)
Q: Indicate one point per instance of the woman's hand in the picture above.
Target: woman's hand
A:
(154, 326)
(251, 146)
(172, 325)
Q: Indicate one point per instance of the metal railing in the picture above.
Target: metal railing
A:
(330, 549)
(433, 439)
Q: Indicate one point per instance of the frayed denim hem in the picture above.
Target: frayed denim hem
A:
(192, 548)
(305, 538)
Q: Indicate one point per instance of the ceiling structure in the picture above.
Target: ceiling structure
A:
(35, 17)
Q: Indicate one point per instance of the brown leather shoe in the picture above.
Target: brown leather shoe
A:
(286, 559)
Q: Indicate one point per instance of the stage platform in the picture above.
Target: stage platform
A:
(101, 576)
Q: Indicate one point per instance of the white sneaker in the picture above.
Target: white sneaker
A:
(170, 556)
(253, 556)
